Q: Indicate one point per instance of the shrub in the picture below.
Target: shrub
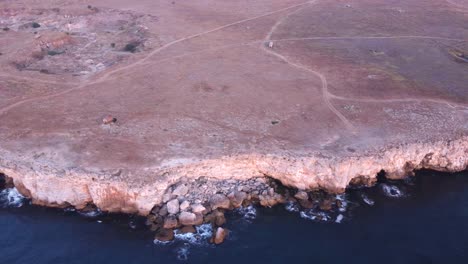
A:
(130, 47)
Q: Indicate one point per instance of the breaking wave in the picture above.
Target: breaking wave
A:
(11, 198)
(249, 213)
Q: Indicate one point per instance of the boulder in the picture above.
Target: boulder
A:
(173, 206)
(216, 218)
(163, 210)
(184, 205)
(198, 208)
(164, 235)
(187, 229)
(186, 218)
(301, 195)
(326, 205)
(180, 190)
(219, 201)
(219, 236)
(170, 222)
(237, 198)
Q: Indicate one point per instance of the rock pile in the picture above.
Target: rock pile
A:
(207, 201)
(196, 202)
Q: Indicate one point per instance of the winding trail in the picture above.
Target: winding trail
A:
(142, 60)
(325, 94)
(268, 38)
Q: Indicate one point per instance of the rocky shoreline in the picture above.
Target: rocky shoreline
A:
(182, 199)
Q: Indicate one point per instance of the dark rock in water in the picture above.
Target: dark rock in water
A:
(219, 236)
(219, 218)
(165, 235)
(198, 219)
(154, 227)
(326, 205)
(219, 201)
(170, 222)
(187, 229)
(216, 218)
(306, 203)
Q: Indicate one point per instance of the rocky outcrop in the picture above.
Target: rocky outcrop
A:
(49, 187)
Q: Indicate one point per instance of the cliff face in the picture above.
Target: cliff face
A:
(114, 103)
(306, 173)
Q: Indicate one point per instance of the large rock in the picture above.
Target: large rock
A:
(301, 195)
(173, 206)
(164, 235)
(187, 229)
(184, 205)
(180, 190)
(219, 236)
(219, 201)
(237, 198)
(198, 208)
(170, 222)
(187, 218)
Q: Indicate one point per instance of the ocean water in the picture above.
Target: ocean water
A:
(422, 220)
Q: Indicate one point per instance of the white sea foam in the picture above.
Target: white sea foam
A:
(10, 197)
(159, 242)
(312, 214)
(249, 213)
(204, 232)
(91, 214)
(344, 202)
(391, 191)
(367, 200)
(339, 218)
(307, 216)
(292, 207)
(183, 252)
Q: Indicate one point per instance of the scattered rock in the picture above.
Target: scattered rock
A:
(164, 235)
(184, 205)
(186, 218)
(219, 201)
(173, 206)
(219, 236)
(170, 222)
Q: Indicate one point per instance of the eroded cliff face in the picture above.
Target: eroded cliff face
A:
(110, 193)
(112, 104)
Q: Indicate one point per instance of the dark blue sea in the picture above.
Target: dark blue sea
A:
(421, 220)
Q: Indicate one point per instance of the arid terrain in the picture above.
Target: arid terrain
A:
(122, 103)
